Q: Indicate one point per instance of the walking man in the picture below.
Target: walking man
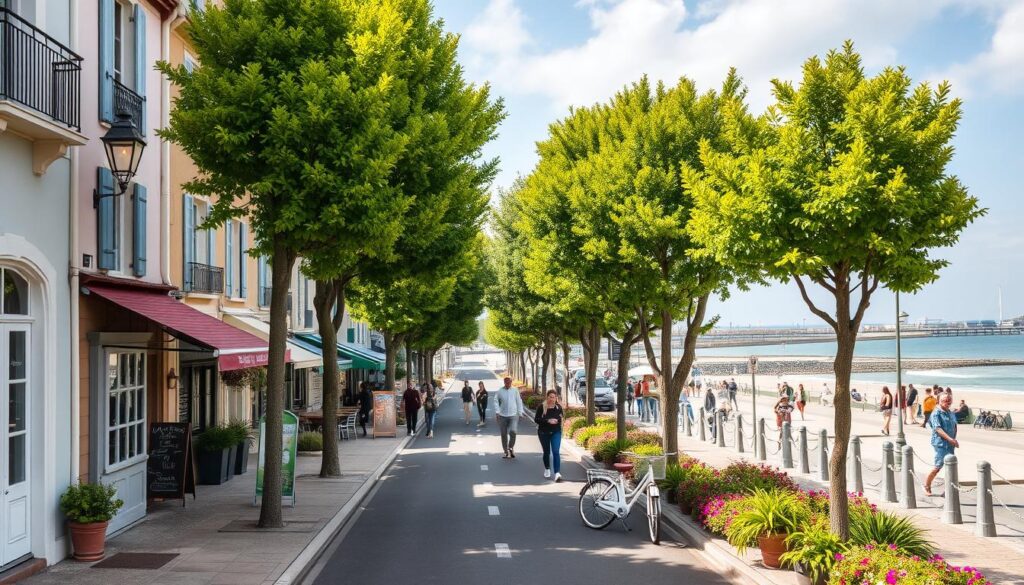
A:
(943, 438)
(709, 408)
(507, 411)
(411, 401)
(928, 406)
(467, 399)
(732, 393)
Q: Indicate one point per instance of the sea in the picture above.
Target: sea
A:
(981, 378)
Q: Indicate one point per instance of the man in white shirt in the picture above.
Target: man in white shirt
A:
(507, 412)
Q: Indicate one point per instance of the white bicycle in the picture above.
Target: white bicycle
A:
(607, 495)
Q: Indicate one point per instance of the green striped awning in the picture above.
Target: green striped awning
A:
(363, 358)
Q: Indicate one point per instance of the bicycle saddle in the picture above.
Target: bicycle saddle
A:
(622, 467)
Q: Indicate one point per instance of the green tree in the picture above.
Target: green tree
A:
(843, 185)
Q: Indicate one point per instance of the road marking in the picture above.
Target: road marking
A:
(493, 511)
(487, 484)
(481, 454)
(503, 551)
(483, 468)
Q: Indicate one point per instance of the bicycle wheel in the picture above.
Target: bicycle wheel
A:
(654, 517)
(597, 490)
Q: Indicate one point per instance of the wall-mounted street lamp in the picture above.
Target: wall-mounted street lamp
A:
(123, 144)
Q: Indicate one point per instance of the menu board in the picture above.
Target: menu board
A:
(385, 423)
(170, 471)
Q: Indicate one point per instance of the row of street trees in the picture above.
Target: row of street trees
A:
(643, 207)
(345, 132)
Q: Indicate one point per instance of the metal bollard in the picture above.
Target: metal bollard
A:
(888, 477)
(787, 447)
(719, 428)
(805, 463)
(762, 453)
(854, 472)
(951, 504)
(823, 455)
(703, 425)
(908, 496)
(739, 433)
(986, 524)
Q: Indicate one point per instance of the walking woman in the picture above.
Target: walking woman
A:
(885, 407)
(429, 408)
(549, 430)
(481, 403)
(801, 399)
(365, 402)
(411, 402)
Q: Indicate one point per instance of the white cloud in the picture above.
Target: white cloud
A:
(762, 38)
(999, 69)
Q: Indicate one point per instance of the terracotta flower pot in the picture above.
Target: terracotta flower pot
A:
(88, 540)
(772, 547)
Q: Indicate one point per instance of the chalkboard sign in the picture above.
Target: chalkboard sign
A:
(170, 471)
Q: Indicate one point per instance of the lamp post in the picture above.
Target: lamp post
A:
(123, 144)
(753, 390)
(901, 396)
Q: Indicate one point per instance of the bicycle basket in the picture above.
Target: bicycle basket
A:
(658, 465)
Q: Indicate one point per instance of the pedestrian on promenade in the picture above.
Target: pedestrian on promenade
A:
(789, 392)
(638, 392)
(481, 403)
(709, 409)
(652, 402)
(962, 412)
(365, 401)
(630, 396)
(928, 405)
(722, 399)
(507, 412)
(429, 408)
(943, 438)
(801, 399)
(549, 429)
(885, 407)
(411, 402)
(783, 412)
(733, 388)
(902, 401)
(827, 396)
(911, 406)
(467, 399)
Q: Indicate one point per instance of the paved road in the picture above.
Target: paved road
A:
(439, 516)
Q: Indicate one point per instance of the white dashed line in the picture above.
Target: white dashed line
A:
(493, 511)
(483, 468)
(481, 454)
(487, 484)
(503, 551)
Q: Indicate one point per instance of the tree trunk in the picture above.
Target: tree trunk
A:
(281, 270)
(522, 366)
(391, 342)
(328, 294)
(670, 441)
(565, 363)
(591, 340)
(408, 365)
(545, 361)
(846, 339)
(628, 339)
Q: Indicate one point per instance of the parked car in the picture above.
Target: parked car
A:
(604, 394)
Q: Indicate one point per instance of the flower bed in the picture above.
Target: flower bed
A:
(886, 564)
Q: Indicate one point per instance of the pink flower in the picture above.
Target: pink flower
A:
(890, 577)
(839, 556)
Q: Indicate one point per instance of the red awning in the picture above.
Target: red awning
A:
(235, 349)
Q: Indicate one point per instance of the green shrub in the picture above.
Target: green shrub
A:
(586, 433)
(700, 482)
(674, 475)
(648, 450)
(608, 450)
(86, 503)
(882, 564)
(533, 401)
(765, 512)
(242, 430)
(574, 411)
(218, 438)
(815, 549)
(311, 441)
(885, 529)
(572, 424)
(640, 437)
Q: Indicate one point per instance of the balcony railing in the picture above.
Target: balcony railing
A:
(203, 278)
(129, 102)
(38, 72)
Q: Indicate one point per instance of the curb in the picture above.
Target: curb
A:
(311, 553)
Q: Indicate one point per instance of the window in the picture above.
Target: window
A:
(190, 62)
(126, 407)
(300, 389)
(122, 60)
(13, 293)
(236, 248)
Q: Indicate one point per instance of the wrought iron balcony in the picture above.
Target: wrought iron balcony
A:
(129, 102)
(203, 278)
(37, 72)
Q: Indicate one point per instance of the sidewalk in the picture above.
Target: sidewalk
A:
(1001, 558)
(214, 536)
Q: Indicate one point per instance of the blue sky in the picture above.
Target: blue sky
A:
(543, 56)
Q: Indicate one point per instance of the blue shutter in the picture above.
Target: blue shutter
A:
(106, 222)
(211, 242)
(243, 259)
(106, 60)
(229, 260)
(261, 278)
(188, 239)
(139, 231)
(141, 65)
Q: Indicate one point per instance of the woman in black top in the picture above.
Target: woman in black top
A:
(481, 403)
(549, 429)
(365, 401)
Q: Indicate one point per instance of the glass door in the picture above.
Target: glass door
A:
(15, 452)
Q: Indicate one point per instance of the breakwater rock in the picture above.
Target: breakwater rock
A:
(718, 366)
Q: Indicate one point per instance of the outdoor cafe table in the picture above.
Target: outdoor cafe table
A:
(316, 417)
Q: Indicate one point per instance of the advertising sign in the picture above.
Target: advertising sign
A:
(289, 448)
(384, 422)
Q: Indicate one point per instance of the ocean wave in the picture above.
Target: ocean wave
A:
(943, 373)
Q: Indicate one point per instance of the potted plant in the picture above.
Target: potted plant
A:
(216, 455)
(813, 552)
(768, 517)
(244, 434)
(89, 508)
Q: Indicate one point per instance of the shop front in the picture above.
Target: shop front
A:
(367, 365)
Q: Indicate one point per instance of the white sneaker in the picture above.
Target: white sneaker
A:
(547, 473)
(558, 477)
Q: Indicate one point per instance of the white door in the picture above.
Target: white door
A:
(14, 442)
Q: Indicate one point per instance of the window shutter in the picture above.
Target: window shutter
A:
(106, 60)
(211, 242)
(141, 66)
(188, 241)
(106, 240)
(139, 231)
(243, 259)
(229, 260)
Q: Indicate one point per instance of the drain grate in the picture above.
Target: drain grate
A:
(135, 561)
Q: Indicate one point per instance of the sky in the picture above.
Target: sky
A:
(543, 56)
